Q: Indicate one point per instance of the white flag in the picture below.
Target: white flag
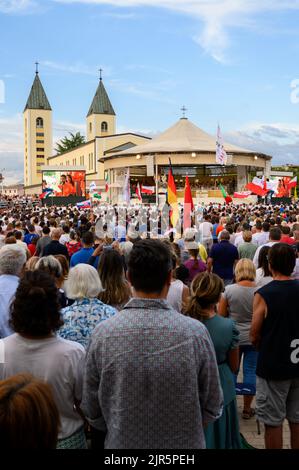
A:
(127, 191)
(221, 156)
(92, 187)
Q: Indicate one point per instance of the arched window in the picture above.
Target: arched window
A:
(104, 126)
(90, 127)
(39, 122)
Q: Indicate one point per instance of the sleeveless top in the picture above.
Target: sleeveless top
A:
(279, 347)
(175, 293)
(225, 337)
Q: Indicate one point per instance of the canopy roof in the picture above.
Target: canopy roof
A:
(183, 137)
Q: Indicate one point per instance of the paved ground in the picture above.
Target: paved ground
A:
(249, 430)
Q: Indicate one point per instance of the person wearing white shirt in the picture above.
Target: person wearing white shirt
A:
(263, 273)
(65, 237)
(206, 232)
(36, 349)
(274, 237)
(19, 239)
(261, 237)
(12, 262)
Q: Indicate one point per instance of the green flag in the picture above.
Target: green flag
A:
(223, 191)
(97, 196)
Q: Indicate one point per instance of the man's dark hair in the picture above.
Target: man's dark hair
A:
(18, 235)
(88, 238)
(258, 225)
(36, 309)
(66, 229)
(149, 266)
(46, 230)
(282, 259)
(31, 228)
(275, 234)
(266, 226)
(286, 230)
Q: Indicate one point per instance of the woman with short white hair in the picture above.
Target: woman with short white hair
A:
(83, 286)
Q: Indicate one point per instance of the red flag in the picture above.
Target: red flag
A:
(256, 189)
(138, 192)
(292, 183)
(188, 204)
(188, 195)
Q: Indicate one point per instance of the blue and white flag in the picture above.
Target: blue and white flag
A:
(84, 204)
(92, 187)
(221, 156)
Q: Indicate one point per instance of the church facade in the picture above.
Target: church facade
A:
(101, 137)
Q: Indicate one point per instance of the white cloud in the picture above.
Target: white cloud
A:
(16, 6)
(77, 68)
(280, 140)
(120, 16)
(218, 16)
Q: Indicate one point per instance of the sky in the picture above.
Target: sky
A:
(232, 62)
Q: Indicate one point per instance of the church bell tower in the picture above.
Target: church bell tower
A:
(37, 133)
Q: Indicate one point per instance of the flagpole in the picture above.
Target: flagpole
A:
(157, 189)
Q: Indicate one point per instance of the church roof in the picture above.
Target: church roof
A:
(37, 98)
(101, 103)
(183, 136)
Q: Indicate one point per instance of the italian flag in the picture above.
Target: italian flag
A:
(227, 198)
(106, 183)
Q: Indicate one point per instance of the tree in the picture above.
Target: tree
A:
(69, 143)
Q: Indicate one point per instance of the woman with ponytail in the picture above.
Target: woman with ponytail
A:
(206, 291)
(194, 264)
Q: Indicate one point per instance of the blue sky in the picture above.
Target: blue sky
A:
(227, 61)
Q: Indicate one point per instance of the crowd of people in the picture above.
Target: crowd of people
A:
(119, 332)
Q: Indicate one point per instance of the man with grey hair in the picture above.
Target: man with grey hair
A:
(223, 257)
(55, 247)
(12, 261)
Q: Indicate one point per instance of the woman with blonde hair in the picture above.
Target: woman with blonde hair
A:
(31, 263)
(237, 303)
(206, 291)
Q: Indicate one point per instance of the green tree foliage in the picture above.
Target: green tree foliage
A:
(69, 143)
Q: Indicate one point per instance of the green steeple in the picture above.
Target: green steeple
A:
(101, 103)
(37, 98)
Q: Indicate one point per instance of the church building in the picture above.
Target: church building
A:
(101, 137)
(106, 156)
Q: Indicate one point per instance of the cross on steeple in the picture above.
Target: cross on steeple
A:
(36, 65)
(184, 109)
(100, 70)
